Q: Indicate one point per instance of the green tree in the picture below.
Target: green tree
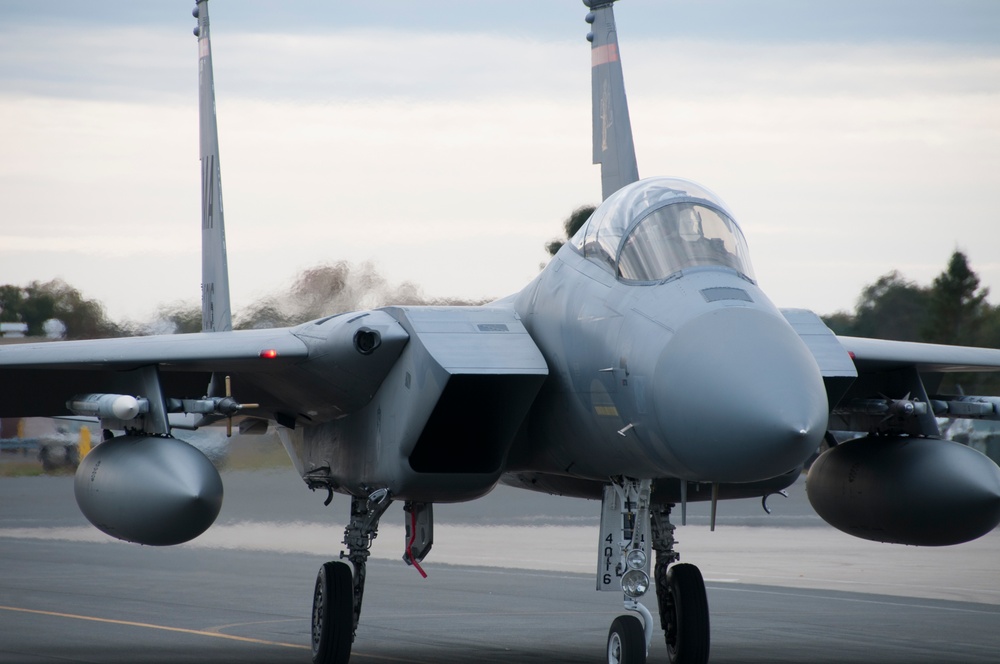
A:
(959, 314)
(11, 303)
(989, 333)
(841, 322)
(890, 308)
(40, 301)
(953, 310)
(571, 225)
(957, 306)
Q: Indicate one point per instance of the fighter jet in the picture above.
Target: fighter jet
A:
(643, 367)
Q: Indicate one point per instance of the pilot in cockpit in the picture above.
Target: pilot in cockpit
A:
(700, 248)
(689, 225)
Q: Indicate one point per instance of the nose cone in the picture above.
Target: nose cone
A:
(739, 396)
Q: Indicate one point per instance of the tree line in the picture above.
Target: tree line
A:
(320, 291)
(952, 310)
(42, 301)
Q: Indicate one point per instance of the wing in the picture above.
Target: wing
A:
(875, 355)
(317, 371)
(876, 385)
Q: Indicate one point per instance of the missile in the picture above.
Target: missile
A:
(971, 407)
(149, 490)
(108, 406)
(906, 490)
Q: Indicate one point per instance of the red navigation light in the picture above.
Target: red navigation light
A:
(269, 354)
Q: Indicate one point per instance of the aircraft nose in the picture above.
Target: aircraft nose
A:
(739, 396)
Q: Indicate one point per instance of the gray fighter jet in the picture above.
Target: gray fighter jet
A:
(643, 367)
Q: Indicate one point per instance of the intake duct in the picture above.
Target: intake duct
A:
(473, 423)
(475, 372)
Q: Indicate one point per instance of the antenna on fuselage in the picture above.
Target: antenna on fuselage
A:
(216, 315)
(613, 146)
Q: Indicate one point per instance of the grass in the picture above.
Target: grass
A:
(256, 453)
(261, 452)
(27, 468)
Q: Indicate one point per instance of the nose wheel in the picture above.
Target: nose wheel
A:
(626, 641)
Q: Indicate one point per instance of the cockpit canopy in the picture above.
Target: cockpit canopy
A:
(657, 227)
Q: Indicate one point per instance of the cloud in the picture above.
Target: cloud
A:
(386, 145)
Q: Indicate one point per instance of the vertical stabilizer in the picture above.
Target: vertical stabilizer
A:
(613, 146)
(215, 311)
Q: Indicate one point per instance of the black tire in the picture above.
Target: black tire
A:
(687, 627)
(333, 614)
(626, 641)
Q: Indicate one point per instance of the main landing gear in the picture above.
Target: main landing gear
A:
(333, 610)
(338, 594)
(680, 597)
(339, 591)
(628, 527)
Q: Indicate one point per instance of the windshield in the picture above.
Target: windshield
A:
(680, 236)
(656, 227)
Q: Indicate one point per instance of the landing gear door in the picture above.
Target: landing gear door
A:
(619, 513)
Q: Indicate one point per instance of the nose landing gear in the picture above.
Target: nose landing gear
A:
(629, 527)
(624, 566)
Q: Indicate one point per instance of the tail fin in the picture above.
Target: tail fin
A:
(613, 146)
(216, 315)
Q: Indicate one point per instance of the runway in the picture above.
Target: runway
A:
(69, 597)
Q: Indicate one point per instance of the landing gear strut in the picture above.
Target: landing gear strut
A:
(624, 566)
(680, 596)
(338, 594)
(630, 527)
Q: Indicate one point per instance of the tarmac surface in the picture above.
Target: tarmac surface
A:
(510, 580)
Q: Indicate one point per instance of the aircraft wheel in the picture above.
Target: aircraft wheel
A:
(333, 614)
(626, 641)
(687, 626)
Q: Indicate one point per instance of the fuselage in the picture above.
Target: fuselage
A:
(695, 375)
(644, 349)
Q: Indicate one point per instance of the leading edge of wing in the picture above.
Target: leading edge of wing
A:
(199, 351)
(882, 354)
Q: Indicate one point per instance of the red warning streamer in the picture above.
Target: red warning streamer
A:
(409, 545)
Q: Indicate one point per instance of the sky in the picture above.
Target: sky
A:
(446, 141)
